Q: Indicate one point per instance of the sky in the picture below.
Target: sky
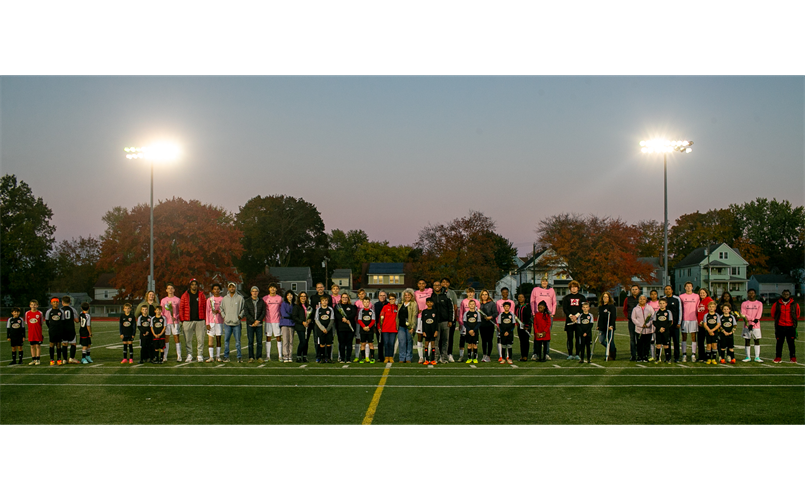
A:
(390, 155)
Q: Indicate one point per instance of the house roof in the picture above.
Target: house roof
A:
(696, 257)
(385, 268)
(772, 278)
(530, 262)
(290, 273)
(104, 279)
(716, 263)
(342, 273)
(78, 297)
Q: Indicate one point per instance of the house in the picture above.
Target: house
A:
(104, 303)
(771, 284)
(655, 282)
(718, 268)
(533, 270)
(387, 276)
(342, 278)
(76, 298)
(297, 279)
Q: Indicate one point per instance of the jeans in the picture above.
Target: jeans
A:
(406, 344)
(633, 340)
(301, 349)
(230, 330)
(388, 344)
(255, 333)
(194, 329)
(443, 340)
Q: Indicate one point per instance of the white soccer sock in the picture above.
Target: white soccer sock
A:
(279, 349)
(693, 347)
(268, 350)
(419, 349)
(357, 350)
(460, 353)
(366, 351)
(218, 352)
(179, 349)
(500, 350)
(748, 351)
(653, 351)
(757, 351)
(211, 351)
(684, 347)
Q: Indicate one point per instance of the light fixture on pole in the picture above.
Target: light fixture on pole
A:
(156, 152)
(665, 146)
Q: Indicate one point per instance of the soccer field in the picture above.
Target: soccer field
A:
(556, 392)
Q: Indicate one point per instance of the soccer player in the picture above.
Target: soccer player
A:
(522, 313)
(273, 302)
(711, 324)
(158, 327)
(585, 323)
(786, 315)
(325, 329)
(345, 314)
(462, 309)
(751, 310)
(542, 331)
(675, 307)
(571, 306)
(70, 318)
(471, 321)
(170, 311)
(127, 330)
(389, 327)
(367, 325)
(430, 330)
(727, 340)
(506, 324)
(420, 296)
(544, 293)
(85, 333)
(15, 333)
(215, 322)
(53, 318)
(144, 325)
(690, 305)
(504, 293)
(34, 319)
(663, 320)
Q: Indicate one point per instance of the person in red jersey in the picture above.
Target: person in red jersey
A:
(33, 320)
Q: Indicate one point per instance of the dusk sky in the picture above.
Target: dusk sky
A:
(391, 154)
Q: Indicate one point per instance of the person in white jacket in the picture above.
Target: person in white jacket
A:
(644, 327)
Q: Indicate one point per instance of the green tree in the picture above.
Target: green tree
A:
(25, 244)
(695, 230)
(343, 247)
(651, 242)
(777, 228)
(76, 265)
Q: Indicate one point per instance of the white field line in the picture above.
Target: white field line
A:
(514, 366)
(303, 366)
(557, 366)
(363, 386)
(347, 366)
(596, 365)
(96, 366)
(219, 366)
(520, 375)
(642, 366)
(260, 366)
(473, 366)
(183, 364)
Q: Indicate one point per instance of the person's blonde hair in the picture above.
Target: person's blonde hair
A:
(470, 290)
(485, 291)
(409, 291)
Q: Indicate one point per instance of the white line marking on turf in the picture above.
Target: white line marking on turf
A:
(218, 366)
(595, 364)
(473, 366)
(260, 366)
(557, 366)
(515, 366)
(138, 366)
(363, 386)
(345, 366)
(96, 366)
(183, 364)
(303, 366)
(642, 366)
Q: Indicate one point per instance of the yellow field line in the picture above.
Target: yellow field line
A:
(370, 413)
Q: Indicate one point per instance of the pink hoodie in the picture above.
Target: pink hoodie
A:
(500, 305)
(169, 316)
(690, 305)
(540, 294)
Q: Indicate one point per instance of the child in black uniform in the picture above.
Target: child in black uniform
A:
(367, 325)
(128, 326)
(506, 340)
(711, 325)
(430, 331)
(15, 333)
(585, 323)
(472, 319)
(158, 327)
(663, 321)
(85, 333)
(144, 325)
(726, 342)
(325, 329)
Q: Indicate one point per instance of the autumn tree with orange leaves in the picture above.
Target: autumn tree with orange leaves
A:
(598, 252)
(191, 240)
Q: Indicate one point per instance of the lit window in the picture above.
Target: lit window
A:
(293, 287)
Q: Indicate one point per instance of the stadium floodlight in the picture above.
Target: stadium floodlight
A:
(665, 146)
(156, 152)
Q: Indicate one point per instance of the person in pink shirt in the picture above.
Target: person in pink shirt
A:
(689, 303)
(214, 323)
(654, 302)
(359, 306)
(544, 293)
(463, 308)
(170, 310)
(752, 310)
(273, 303)
(420, 296)
(335, 293)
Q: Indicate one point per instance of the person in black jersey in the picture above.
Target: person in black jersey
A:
(158, 326)
(85, 333)
(15, 334)
(506, 324)
(367, 324)
(663, 321)
(68, 336)
(53, 318)
(471, 321)
(726, 341)
(325, 329)
(712, 325)
(522, 311)
(128, 326)
(585, 323)
(430, 331)
(144, 325)
(571, 306)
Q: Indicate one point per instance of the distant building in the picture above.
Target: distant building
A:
(387, 276)
(655, 282)
(297, 279)
(718, 268)
(104, 304)
(342, 278)
(771, 285)
(533, 270)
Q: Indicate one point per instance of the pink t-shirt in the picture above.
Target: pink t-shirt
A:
(752, 310)
(170, 313)
(272, 308)
(465, 306)
(421, 298)
(216, 319)
(547, 295)
(500, 303)
(690, 306)
(655, 304)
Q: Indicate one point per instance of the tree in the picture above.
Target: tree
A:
(76, 265)
(778, 230)
(463, 250)
(343, 247)
(599, 253)
(191, 240)
(651, 239)
(280, 231)
(695, 230)
(26, 240)
(380, 251)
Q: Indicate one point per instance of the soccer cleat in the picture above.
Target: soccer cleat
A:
(723, 362)
(208, 360)
(84, 361)
(684, 358)
(500, 360)
(58, 362)
(651, 359)
(131, 361)
(692, 358)
(218, 360)
(778, 360)
(732, 361)
(32, 363)
(747, 359)
(475, 361)
(758, 360)
(372, 361)
(468, 361)
(360, 362)
(794, 359)
(508, 360)
(37, 362)
(355, 360)
(124, 361)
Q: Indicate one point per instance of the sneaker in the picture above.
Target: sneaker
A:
(468, 361)
(240, 360)
(259, 360)
(508, 360)
(217, 360)
(201, 359)
(747, 359)
(53, 362)
(189, 359)
(450, 358)
(32, 363)
(89, 359)
(84, 361)
(651, 359)
(794, 359)
(179, 359)
(758, 360)
(226, 360)
(356, 360)
(131, 361)
(732, 361)
(500, 360)
(475, 361)
(581, 361)
(38, 362)
(692, 358)
(74, 361)
(684, 358)
(776, 360)
(208, 360)
(657, 362)
(547, 358)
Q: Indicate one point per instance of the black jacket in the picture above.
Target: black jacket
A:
(675, 306)
(443, 306)
(252, 315)
(298, 317)
(350, 312)
(606, 320)
(523, 313)
(630, 303)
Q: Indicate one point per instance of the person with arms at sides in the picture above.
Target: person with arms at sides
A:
(712, 324)
(406, 325)
(430, 330)
(146, 344)
(382, 301)
(273, 302)
(170, 310)
(215, 322)
(628, 306)
(128, 330)
(544, 293)
(421, 295)
(785, 313)
(287, 326)
(471, 323)
(15, 334)
(192, 314)
(444, 311)
(345, 315)
(585, 322)
(158, 327)
(607, 314)
(367, 324)
(488, 312)
(752, 311)
(571, 306)
(506, 324)
(663, 319)
(504, 293)
(462, 309)
(324, 317)
(254, 310)
(389, 327)
(653, 301)
(68, 337)
(675, 308)
(315, 303)
(301, 315)
(542, 331)
(690, 305)
(644, 326)
(85, 333)
(701, 334)
(522, 312)
(53, 319)
(453, 300)
(726, 341)
(232, 312)
(335, 294)
(357, 340)
(150, 300)
(33, 320)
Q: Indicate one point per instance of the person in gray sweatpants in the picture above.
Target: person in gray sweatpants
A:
(192, 312)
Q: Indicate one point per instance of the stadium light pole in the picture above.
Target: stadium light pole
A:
(665, 146)
(156, 152)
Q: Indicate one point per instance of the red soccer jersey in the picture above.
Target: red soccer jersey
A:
(34, 321)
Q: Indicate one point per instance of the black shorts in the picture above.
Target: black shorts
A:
(661, 338)
(367, 336)
(85, 341)
(54, 337)
(430, 336)
(128, 338)
(585, 340)
(34, 342)
(506, 339)
(16, 339)
(68, 337)
(726, 341)
(325, 338)
(469, 338)
(710, 339)
(158, 343)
